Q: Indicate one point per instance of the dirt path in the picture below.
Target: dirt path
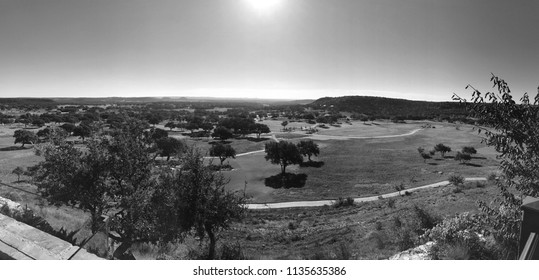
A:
(318, 203)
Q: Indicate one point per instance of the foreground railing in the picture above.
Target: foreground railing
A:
(530, 248)
(529, 231)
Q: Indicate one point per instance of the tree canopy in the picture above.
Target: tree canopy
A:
(222, 151)
(308, 148)
(513, 130)
(283, 153)
(25, 137)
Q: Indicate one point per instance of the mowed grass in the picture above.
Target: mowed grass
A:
(369, 129)
(241, 145)
(367, 167)
(9, 160)
(363, 231)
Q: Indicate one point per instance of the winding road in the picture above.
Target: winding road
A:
(318, 203)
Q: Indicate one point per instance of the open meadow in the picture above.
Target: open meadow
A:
(365, 167)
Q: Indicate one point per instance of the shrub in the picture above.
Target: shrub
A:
(456, 180)
(231, 252)
(391, 203)
(397, 223)
(422, 220)
(404, 239)
(343, 202)
(479, 184)
(458, 237)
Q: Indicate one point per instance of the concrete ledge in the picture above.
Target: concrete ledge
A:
(20, 241)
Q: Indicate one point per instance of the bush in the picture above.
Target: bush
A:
(480, 185)
(231, 252)
(391, 203)
(424, 220)
(458, 238)
(343, 202)
(456, 180)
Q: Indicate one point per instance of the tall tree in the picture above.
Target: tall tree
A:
(513, 130)
(18, 171)
(222, 133)
(222, 151)
(259, 128)
(193, 199)
(283, 153)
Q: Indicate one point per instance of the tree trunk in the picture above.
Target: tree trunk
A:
(211, 236)
(222, 160)
(283, 169)
(168, 157)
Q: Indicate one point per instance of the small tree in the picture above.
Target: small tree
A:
(284, 124)
(424, 155)
(18, 171)
(260, 128)
(222, 133)
(222, 151)
(308, 148)
(83, 131)
(283, 153)
(456, 180)
(463, 157)
(38, 122)
(442, 149)
(469, 150)
(25, 137)
(169, 146)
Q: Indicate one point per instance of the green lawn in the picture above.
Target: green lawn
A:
(365, 167)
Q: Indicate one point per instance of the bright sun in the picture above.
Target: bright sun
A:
(264, 6)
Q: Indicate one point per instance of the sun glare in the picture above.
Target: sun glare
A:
(264, 6)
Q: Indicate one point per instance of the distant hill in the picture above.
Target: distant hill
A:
(390, 107)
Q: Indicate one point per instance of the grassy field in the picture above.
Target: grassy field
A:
(365, 167)
(377, 128)
(363, 231)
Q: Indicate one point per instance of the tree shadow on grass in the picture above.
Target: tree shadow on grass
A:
(316, 164)
(13, 148)
(433, 163)
(474, 164)
(214, 142)
(479, 158)
(287, 181)
(255, 139)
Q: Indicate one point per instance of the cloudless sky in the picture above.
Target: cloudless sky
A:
(296, 49)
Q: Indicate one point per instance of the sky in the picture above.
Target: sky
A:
(292, 49)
